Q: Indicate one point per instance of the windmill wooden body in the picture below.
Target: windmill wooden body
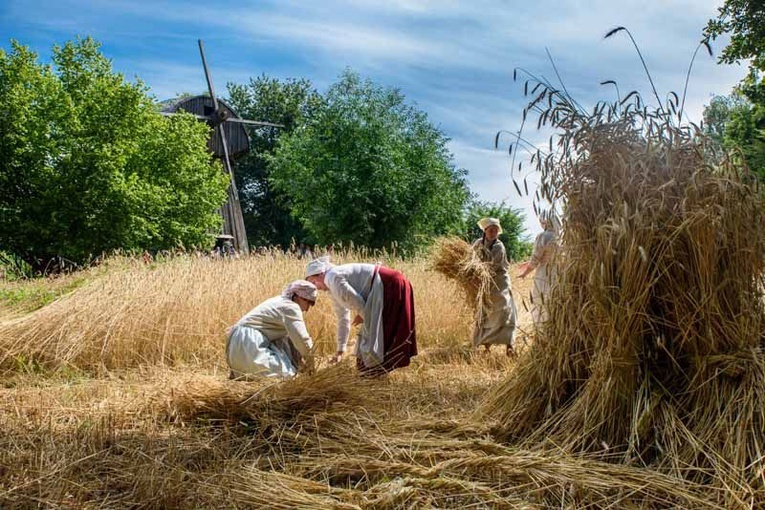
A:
(229, 141)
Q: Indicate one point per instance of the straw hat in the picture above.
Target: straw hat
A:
(486, 222)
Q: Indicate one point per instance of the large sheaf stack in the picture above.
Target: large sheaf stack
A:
(654, 353)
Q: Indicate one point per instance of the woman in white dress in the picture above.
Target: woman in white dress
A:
(495, 322)
(545, 248)
(272, 340)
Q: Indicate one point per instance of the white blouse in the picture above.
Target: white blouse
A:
(349, 286)
(279, 317)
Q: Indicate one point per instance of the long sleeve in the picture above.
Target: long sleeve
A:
(541, 254)
(499, 256)
(343, 324)
(296, 330)
(495, 255)
(346, 294)
(346, 283)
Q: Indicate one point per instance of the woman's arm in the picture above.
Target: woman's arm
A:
(347, 295)
(536, 256)
(297, 332)
(343, 326)
(499, 256)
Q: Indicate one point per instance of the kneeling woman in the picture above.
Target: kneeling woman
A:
(272, 340)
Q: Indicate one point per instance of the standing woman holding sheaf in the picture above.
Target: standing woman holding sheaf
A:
(495, 321)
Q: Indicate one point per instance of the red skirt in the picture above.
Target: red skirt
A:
(399, 339)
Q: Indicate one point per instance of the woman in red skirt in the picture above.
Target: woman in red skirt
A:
(383, 302)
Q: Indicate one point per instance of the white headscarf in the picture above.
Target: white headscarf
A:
(302, 288)
(318, 266)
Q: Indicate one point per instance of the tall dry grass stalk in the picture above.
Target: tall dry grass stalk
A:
(654, 353)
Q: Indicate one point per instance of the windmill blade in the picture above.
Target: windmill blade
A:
(253, 122)
(208, 77)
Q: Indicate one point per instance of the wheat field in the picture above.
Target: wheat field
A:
(116, 395)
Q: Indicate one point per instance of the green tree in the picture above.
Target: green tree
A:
(744, 21)
(736, 125)
(370, 169)
(267, 215)
(744, 129)
(745, 132)
(717, 115)
(87, 165)
(516, 245)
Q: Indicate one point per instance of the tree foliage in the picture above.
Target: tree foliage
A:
(744, 21)
(517, 247)
(291, 102)
(745, 132)
(370, 169)
(717, 115)
(742, 114)
(87, 165)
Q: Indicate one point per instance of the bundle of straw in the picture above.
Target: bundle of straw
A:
(458, 261)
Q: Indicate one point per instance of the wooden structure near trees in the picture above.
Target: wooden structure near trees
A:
(229, 141)
(237, 143)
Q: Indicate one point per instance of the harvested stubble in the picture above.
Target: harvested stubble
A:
(456, 259)
(654, 354)
(326, 441)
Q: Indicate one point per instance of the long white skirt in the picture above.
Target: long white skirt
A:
(496, 324)
(249, 352)
(544, 279)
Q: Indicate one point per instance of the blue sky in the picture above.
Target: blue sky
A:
(453, 59)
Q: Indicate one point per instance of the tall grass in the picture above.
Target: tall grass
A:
(177, 312)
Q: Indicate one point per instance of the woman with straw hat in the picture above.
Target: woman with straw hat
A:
(495, 321)
(272, 340)
(383, 301)
(545, 248)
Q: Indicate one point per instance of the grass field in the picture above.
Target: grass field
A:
(115, 395)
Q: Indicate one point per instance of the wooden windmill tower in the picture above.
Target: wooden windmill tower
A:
(229, 141)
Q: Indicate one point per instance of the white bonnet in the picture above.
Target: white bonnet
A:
(318, 266)
(485, 222)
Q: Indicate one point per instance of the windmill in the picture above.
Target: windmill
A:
(228, 141)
